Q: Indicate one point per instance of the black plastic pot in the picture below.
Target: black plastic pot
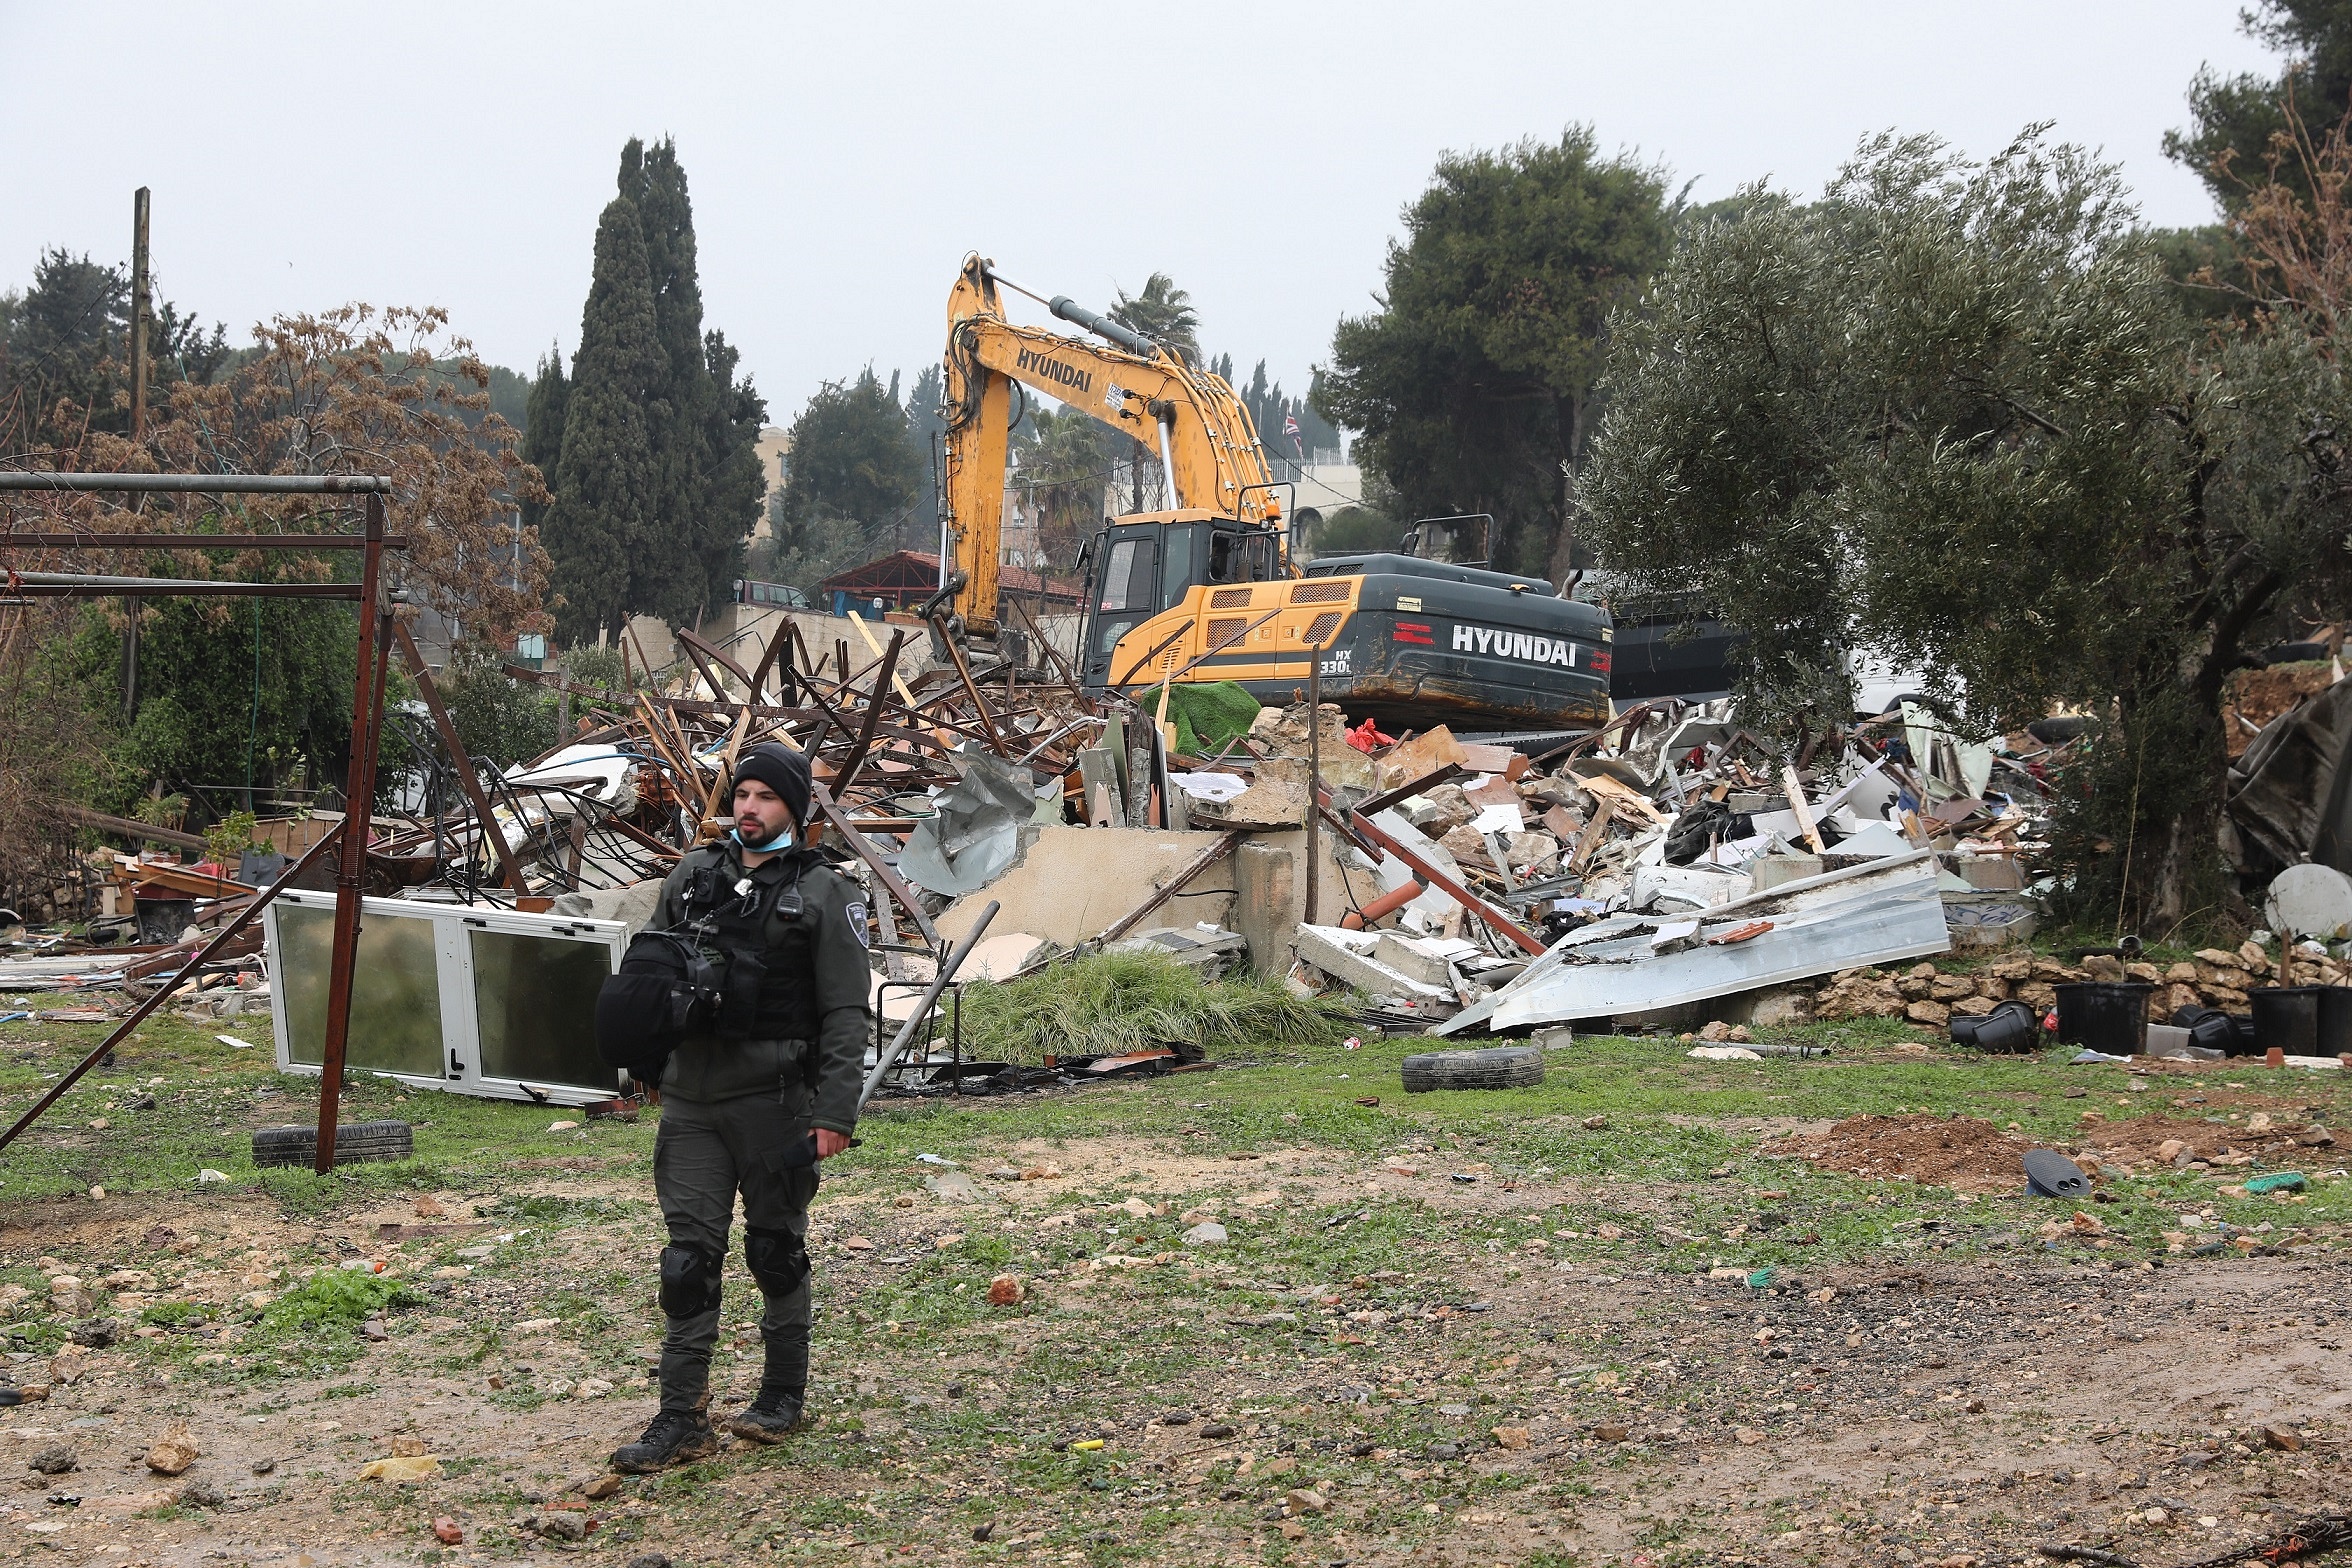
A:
(2009, 1028)
(2335, 1020)
(2286, 1018)
(2105, 1015)
(2211, 1029)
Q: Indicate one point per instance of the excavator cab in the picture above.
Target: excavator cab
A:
(1143, 564)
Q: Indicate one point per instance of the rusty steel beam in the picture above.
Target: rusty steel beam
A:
(359, 797)
(138, 1015)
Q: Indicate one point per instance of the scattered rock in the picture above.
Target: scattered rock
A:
(981, 1532)
(1510, 1437)
(264, 1466)
(1216, 1431)
(1305, 1501)
(403, 1468)
(447, 1532)
(649, 1560)
(1177, 1418)
(601, 1488)
(56, 1459)
(1006, 1291)
(591, 1388)
(201, 1493)
(97, 1333)
(1208, 1233)
(2285, 1439)
(175, 1452)
(564, 1525)
(1443, 1450)
(407, 1446)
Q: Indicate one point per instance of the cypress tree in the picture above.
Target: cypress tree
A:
(543, 428)
(736, 485)
(605, 489)
(703, 423)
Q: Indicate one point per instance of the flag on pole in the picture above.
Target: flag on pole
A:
(1290, 428)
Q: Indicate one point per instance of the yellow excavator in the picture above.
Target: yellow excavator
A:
(1204, 588)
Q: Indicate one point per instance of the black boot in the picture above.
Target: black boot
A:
(674, 1438)
(783, 1395)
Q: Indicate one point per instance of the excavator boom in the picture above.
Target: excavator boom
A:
(1207, 444)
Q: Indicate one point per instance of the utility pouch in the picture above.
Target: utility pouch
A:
(739, 1003)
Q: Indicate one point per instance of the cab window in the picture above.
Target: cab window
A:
(1127, 576)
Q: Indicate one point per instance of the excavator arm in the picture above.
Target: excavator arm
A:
(1208, 446)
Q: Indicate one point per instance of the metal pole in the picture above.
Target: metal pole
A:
(1314, 780)
(140, 310)
(138, 350)
(138, 1015)
(359, 796)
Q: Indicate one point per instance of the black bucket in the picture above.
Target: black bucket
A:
(2211, 1029)
(2009, 1028)
(2286, 1018)
(2335, 1020)
(2105, 1015)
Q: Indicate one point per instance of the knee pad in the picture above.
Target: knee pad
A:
(778, 1260)
(689, 1282)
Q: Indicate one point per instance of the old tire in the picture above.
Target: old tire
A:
(1503, 1067)
(356, 1143)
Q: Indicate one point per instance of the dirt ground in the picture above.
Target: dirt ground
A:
(1478, 1404)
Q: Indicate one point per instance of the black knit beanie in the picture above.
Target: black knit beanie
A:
(781, 769)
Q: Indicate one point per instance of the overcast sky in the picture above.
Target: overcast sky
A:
(843, 159)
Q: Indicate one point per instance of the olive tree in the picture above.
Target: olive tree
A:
(1954, 413)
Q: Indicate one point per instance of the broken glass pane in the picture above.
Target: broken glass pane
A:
(535, 1005)
(395, 992)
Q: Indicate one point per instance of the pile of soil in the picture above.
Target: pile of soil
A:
(2135, 1141)
(1971, 1155)
(1961, 1152)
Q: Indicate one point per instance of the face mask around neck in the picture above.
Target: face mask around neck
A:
(782, 840)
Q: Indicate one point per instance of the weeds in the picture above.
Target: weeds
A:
(1117, 1002)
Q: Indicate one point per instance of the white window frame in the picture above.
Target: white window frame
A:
(461, 1040)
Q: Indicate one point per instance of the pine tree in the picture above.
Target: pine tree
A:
(543, 428)
(605, 490)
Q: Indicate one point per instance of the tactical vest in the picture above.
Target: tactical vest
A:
(768, 991)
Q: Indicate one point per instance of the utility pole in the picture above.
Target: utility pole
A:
(139, 313)
(138, 351)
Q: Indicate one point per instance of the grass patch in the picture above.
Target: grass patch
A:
(1111, 1003)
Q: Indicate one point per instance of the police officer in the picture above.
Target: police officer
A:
(752, 1106)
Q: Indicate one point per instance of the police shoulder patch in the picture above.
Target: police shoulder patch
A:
(856, 911)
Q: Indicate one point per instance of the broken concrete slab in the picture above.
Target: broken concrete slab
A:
(1348, 957)
(1002, 956)
(1072, 882)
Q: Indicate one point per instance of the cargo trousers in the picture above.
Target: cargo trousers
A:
(705, 1153)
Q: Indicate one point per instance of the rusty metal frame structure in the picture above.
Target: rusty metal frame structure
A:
(367, 703)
